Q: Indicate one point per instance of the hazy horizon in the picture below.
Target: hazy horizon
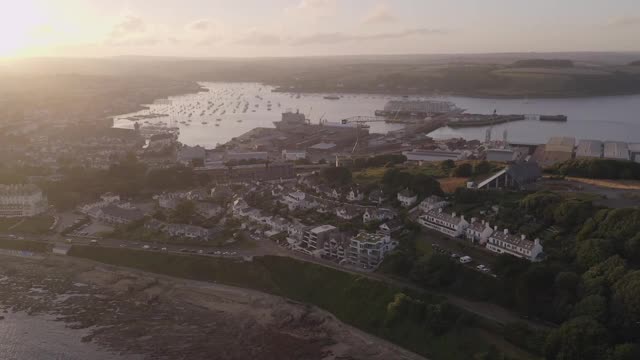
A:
(291, 28)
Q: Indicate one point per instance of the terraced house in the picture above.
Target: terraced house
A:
(448, 224)
(504, 243)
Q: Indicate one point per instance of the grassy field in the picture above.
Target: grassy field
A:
(35, 225)
(24, 245)
(358, 301)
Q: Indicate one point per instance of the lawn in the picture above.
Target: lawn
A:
(33, 225)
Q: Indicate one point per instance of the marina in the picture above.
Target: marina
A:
(228, 110)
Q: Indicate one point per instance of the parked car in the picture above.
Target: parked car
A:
(465, 260)
(146, 247)
(164, 249)
(93, 242)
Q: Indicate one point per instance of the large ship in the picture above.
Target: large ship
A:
(332, 97)
(417, 108)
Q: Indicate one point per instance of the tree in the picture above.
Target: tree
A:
(436, 270)
(625, 352)
(593, 306)
(184, 212)
(592, 251)
(337, 175)
(463, 170)
(625, 305)
(581, 338)
(447, 165)
(481, 168)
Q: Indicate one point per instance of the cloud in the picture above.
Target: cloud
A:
(379, 14)
(339, 37)
(127, 26)
(257, 38)
(626, 21)
(313, 8)
(133, 31)
(201, 25)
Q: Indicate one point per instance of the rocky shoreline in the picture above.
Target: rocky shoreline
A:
(135, 313)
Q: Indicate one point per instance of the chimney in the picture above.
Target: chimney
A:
(506, 231)
(454, 214)
(439, 210)
(523, 236)
(536, 242)
(462, 217)
(473, 219)
(483, 222)
(495, 228)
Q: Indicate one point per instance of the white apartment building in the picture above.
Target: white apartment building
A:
(448, 224)
(21, 201)
(367, 250)
(313, 240)
(504, 243)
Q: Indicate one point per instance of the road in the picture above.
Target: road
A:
(491, 312)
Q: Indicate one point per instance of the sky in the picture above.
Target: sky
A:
(256, 28)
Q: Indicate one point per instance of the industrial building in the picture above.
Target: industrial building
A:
(589, 149)
(616, 150)
(502, 155)
(558, 149)
(634, 152)
(419, 155)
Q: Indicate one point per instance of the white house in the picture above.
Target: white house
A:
(407, 198)
(346, 213)
(478, 231)
(355, 195)
(438, 220)
(377, 215)
(295, 200)
(433, 202)
(502, 242)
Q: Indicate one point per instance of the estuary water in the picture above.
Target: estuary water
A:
(231, 109)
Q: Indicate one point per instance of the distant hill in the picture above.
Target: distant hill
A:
(543, 63)
(635, 63)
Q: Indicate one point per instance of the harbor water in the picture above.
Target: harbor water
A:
(228, 110)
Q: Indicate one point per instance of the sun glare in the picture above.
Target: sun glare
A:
(17, 23)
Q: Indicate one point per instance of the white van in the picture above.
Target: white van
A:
(465, 260)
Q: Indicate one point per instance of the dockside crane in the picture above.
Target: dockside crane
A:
(361, 123)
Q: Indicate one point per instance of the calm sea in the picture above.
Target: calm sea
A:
(604, 118)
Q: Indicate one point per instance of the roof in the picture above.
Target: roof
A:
(634, 148)
(441, 215)
(519, 241)
(525, 172)
(406, 193)
(322, 228)
(323, 146)
(616, 150)
(561, 144)
(122, 213)
(589, 148)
